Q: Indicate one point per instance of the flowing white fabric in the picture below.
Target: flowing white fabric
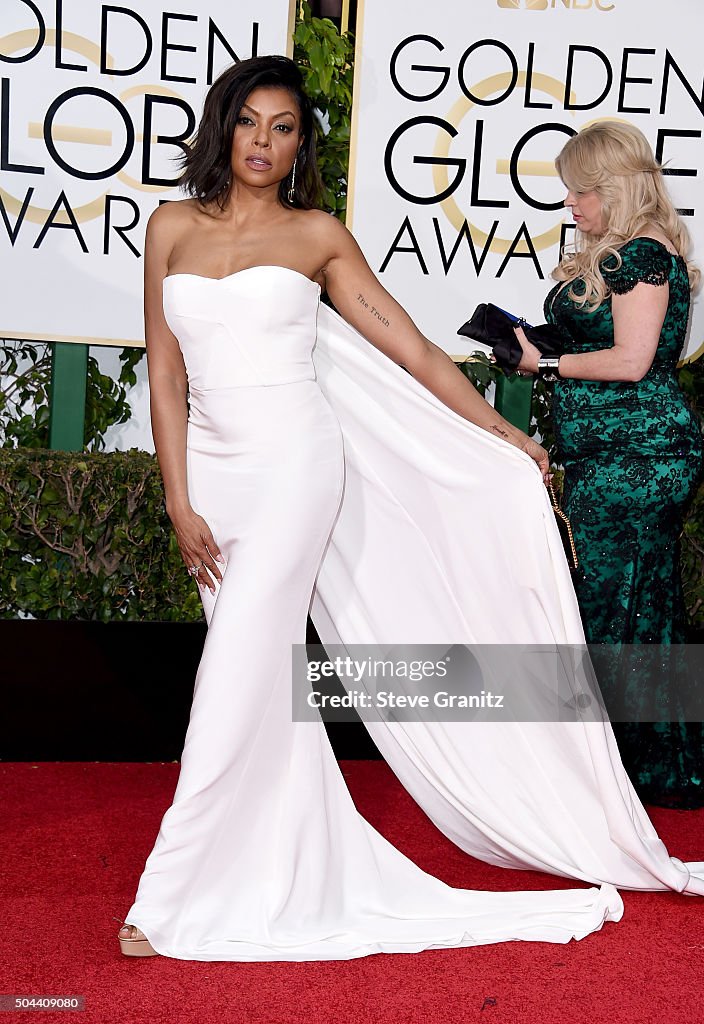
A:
(262, 854)
(446, 534)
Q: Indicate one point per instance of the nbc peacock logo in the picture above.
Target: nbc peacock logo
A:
(543, 5)
(528, 5)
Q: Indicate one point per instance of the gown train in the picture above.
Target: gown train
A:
(446, 534)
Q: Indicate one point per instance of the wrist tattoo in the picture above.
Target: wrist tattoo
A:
(373, 310)
(498, 430)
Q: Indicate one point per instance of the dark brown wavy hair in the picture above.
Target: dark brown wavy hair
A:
(205, 165)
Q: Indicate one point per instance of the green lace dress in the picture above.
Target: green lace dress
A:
(632, 453)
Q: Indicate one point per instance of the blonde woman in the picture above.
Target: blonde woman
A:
(630, 443)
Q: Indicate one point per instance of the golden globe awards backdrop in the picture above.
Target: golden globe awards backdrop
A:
(95, 100)
(460, 109)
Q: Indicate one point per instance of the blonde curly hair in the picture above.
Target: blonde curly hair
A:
(614, 159)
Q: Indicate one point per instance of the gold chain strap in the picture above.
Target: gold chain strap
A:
(565, 519)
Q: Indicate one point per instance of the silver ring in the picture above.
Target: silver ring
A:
(193, 570)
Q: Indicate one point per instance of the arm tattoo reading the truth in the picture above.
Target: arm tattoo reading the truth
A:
(373, 310)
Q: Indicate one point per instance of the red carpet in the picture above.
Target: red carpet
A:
(74, 842)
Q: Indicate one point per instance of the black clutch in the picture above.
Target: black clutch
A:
(494, 327)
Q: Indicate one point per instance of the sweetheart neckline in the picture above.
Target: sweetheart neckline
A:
(246, 270)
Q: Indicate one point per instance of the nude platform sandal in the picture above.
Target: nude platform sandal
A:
(137, 944)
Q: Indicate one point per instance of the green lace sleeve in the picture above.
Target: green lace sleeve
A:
(642, 259)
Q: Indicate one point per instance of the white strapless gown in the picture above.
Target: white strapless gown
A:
(327, 474)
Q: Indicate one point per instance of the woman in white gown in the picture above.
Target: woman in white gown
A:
(308, 470)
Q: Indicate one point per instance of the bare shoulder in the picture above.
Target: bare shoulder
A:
(166, 226)
(327, 233)
(172, 216)
(331, 239)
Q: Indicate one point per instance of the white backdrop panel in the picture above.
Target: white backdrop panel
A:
(476, 99)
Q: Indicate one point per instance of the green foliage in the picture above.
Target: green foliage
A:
(25, 373)
(25, 380)
(86, 536)
(691, 380)
(106, 399)
(326, 59)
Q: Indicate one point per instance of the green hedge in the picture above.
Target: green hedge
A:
(86, 536)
